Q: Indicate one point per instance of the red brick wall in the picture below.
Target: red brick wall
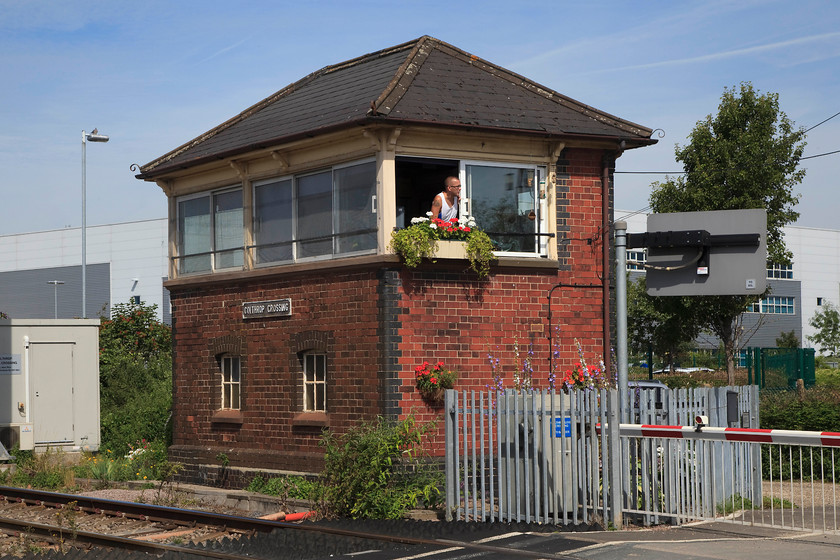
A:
(437, 312)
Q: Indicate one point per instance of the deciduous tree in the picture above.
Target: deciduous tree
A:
(827, 323)
(746, 156)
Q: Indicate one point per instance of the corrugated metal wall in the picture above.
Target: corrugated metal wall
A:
(26, 294)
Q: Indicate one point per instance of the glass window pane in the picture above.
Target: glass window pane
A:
(234, 370)
(234, 398)
(356, 222)
(194, 234)
(309, 397)
(503, 201)
(273, 221)
(314, 215)
(228, 234)
(320, 397)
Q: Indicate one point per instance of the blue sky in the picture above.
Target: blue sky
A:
(155, 74)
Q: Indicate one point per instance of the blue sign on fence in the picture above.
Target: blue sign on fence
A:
(563, 423)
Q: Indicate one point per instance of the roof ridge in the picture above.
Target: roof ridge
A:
(517, 79)
(403, 76)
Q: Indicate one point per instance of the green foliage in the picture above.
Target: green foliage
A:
(286, 487)
(827, 377)
(413, 244)
(787, 340)
(659, 323)
(145, 461)
(374, 471)
(817, 410)
(737, 502)
(135, 402)
(133, 330)
(744, 157)
(46, 471)
(480, 253)
(420, 241)
(827, 323)
(135, 370)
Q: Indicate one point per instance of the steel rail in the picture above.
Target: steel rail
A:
(54, 533)
(245, 525)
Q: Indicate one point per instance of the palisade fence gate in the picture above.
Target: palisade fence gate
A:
(546, 457)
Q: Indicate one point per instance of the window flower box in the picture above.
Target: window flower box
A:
(434, 239)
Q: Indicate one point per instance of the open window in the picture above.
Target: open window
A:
(419, 180)
(505, 199)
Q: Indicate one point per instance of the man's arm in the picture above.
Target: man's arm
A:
(436, 206)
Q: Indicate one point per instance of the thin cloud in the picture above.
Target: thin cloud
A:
(727, 54)
(223, 51)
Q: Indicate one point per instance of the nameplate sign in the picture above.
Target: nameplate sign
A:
(10, 364)
(261, 309)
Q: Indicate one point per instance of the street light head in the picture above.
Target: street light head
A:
(94, 137)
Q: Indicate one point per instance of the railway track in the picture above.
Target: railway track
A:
(33, 519)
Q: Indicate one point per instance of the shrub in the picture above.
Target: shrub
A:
(46, 471)
(818, 410)
(286, 487)
(375, 471)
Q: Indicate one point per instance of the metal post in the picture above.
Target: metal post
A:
(55, 284)
(94, 136)
(84, 226)
(621, 313)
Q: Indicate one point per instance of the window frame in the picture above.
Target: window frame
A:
(213, 253)
(311, 404)
(771, 305)
(335, 210)
(540, 206)
(777, 271)
(230, 388)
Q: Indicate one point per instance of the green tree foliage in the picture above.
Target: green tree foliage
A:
(827, 323)
(133, 331)
(655, 323)
(787, 340)
(135, 372)
(746, 156)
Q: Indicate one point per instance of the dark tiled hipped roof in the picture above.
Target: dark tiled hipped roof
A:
(425, 81)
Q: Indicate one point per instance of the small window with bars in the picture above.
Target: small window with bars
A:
(314, 382)
(231, 382)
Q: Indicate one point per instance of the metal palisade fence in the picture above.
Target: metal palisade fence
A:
(532, 456)
(546, 457)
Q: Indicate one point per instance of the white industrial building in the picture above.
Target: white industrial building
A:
(797, 292)
(41, 272)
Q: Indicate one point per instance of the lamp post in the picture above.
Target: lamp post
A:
(94, 136)
(56, 284)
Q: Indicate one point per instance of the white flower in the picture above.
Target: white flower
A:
(471, 222)
(429, 214)
(419, 220)
(433, 226)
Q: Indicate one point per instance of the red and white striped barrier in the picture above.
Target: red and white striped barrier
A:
(788, 437)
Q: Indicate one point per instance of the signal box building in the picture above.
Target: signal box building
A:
(291, 315)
